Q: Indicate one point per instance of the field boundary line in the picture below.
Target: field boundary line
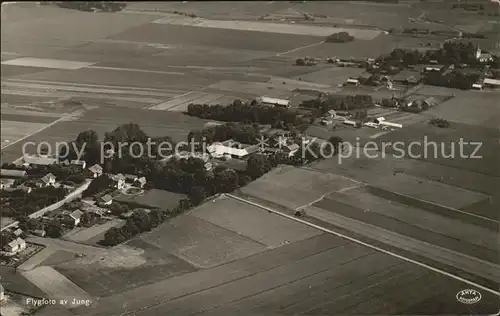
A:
(449, 208)
(60, 83)
(423, 200)
(359, 185)
(136, 70)
(453, 276)
(62, 118)
(299, 48)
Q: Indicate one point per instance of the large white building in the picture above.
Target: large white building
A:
(232, 148)
(273, 101)
(492, 83)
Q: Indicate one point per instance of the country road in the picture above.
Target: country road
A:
(60, 244)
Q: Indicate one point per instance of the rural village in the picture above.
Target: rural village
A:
(258, 205)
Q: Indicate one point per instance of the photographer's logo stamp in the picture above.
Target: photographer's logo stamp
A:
(468, 296)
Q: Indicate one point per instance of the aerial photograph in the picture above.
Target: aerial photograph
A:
(260, 158)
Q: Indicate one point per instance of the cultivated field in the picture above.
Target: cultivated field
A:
(372, 48)
(223, 38)
(366, 169)
(106, 119)
(201, 243)
(472, 108)
(153, 198)
(16, 282)
(332, 75)
(56, 286)
(126, 267)
(323, 274)
(93, 234)
(295, 187)
(266, 27)
(403, 217)
(25, 28)
(15, 127)
(254, 223)
(442, 146)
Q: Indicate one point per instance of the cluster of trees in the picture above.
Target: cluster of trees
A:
(339, 102)
(20, 203)
(191, 15)
(439, 122)
(243, 133)
(66, 174)
(341, 37)
(454, 79)
(100, 184)
(52, 228)
(306, 61)
(140, 221)
(187, 176)
(92, 6)
(248, 113)
(449, 54)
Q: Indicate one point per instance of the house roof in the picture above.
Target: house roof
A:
(269, 100)
(292, 147)
(48, 177)
(7, 181)
(76, 214)
(106, 198)
(142, 180)
(78, 162)
(16, 242)
(117, 177)
(12, 173)
(490, 81)
(18, 232)
(96, 168)
(430, 100)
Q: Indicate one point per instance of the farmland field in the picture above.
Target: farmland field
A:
(264, 227)
(201, 243)
(332, 76)
(442, 146)
(474, 108)
(439, 229)
(153, 198)
(55, 285)
(322, 273)
(266, 27)
(147, 264)
(294, 187)
(106, 119)
(372, 48)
